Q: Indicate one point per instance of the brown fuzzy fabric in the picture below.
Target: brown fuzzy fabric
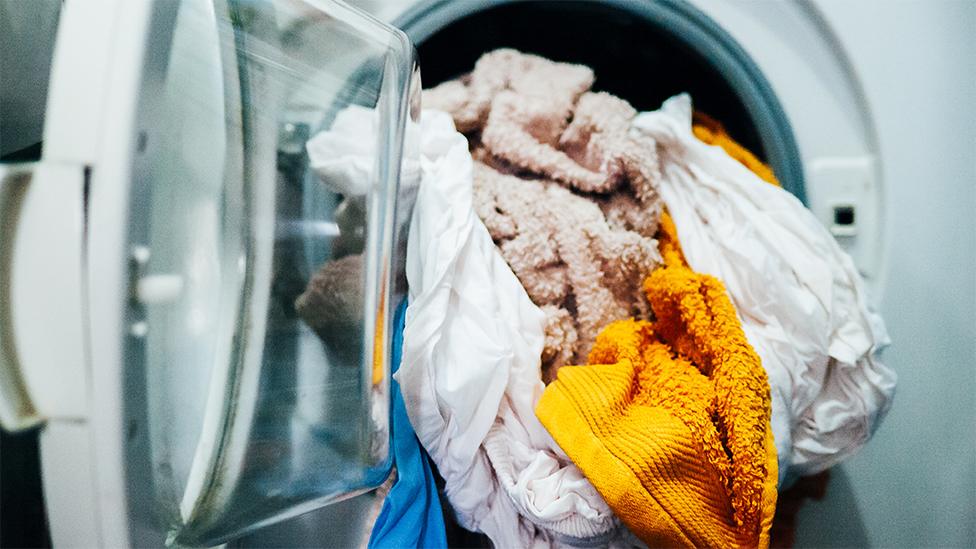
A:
(561, 339)
(551, 87)
(566, 192)
(332, 302)
(581, 271)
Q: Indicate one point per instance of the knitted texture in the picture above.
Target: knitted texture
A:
(670, 421)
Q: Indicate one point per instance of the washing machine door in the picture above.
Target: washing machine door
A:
(198, 314)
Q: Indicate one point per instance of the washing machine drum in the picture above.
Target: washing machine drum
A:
(644, 52)
(187, 380)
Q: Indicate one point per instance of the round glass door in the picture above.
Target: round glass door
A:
(263, 276)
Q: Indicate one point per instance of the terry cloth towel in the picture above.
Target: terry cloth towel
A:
(411, 515)
(565, 251)
(801, 300)
(566, 190)
(670, 421)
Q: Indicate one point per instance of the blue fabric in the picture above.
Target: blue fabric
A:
(411, 514)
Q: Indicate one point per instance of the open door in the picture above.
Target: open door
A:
(227, 339)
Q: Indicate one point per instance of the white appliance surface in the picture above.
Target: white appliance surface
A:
(915, 483)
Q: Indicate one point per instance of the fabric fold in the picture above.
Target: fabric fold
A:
(471, 370)
(411, 515)
(670, 421)
(801, 300)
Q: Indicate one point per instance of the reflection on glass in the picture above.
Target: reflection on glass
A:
(267, 375)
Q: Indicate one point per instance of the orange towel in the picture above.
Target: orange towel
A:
(711, 131)
(670, 421)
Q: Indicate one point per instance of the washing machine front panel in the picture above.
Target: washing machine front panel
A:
(823, 98)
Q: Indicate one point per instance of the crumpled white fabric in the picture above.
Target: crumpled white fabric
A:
(800, 298)
(470, 372)
(344, 156)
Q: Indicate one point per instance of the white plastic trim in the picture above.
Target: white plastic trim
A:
(92, 99)
(72, 516)
(46, 292)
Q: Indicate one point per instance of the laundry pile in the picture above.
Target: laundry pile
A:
(620, 330)
(581, 257)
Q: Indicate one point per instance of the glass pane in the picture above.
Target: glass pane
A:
(269, 264)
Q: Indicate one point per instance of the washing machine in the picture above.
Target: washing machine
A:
(161, 224)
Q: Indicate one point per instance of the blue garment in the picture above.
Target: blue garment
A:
(411, 514)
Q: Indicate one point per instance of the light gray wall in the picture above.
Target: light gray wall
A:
(27, 30)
